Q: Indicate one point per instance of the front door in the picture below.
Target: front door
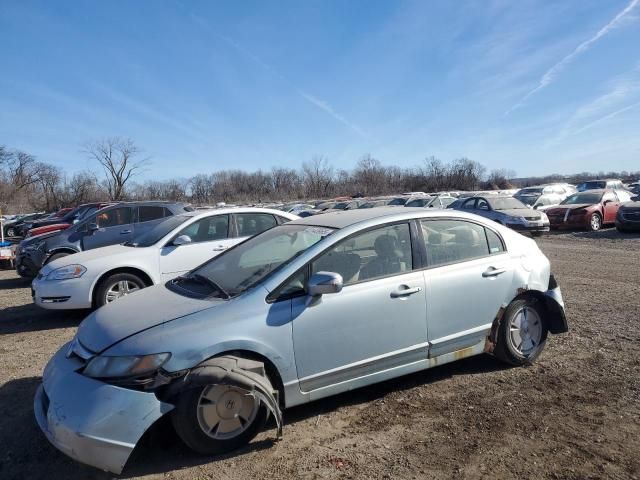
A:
(377, 321)
(114, 226)
(209, 237)
(468, 278)
(611, 207)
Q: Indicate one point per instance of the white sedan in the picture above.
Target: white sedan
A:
(93, 278)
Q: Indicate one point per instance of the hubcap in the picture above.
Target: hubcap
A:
(225, 412)
(595, 222)
(120, 289)
(525, 331)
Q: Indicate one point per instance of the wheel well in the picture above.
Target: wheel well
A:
(60, 250)
(134, 271)
(270, 368)
(553, 316)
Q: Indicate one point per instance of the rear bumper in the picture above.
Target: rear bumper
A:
(555, 306)
(91, 421)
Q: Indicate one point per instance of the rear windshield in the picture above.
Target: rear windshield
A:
(593, 185)
(398, 201)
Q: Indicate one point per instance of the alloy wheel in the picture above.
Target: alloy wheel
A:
(120, 289)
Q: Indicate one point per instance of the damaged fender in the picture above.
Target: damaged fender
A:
(239, 372)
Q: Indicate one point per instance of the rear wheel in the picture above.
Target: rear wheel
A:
(117, 286)
(522, 334)
(10, 232)
(595, 223)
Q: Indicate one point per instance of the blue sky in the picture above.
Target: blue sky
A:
(533, 86)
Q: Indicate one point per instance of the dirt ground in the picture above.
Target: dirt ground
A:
(575, 414)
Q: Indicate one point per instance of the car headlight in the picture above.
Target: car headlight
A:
(129, 366)
(512, 219)
(67, 272)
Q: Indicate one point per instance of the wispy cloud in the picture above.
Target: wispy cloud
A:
(312, 99)
(551, 74)
(607, 117)
(622, 93)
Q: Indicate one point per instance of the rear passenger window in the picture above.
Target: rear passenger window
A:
(495, 243)
(114, 218)
(377, 253)
(148, 213)
(452, 241)
(250, 224)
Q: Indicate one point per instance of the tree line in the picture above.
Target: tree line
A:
(27, 183)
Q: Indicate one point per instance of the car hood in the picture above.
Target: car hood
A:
(134, 313)
(521, 212)
(562, 208)
(630, 206)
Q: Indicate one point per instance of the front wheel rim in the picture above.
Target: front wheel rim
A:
(224, 412)
(120, 289)
(11, 232)
(595, 222)
(525, 331)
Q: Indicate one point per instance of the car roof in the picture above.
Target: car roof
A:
(345, 218)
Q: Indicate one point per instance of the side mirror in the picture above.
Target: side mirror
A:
(607, 202)
(322, 283)
(91, 227)
(181, 240)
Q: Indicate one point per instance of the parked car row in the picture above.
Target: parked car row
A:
(220, 319)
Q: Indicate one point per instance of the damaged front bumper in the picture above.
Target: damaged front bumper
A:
(91, 421)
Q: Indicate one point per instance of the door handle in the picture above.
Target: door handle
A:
(124, 232)
(219, 248)
(405, 292)
(493, 272)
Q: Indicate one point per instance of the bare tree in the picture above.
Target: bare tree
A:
(118, 158)
(317, 177)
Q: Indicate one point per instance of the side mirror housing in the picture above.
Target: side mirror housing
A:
(322, 283)
(181, 240)
(91, 227)
(606, 202)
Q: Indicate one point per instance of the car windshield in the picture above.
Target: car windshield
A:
(152, 236)
(582, 198)
(593, 185)
(530, 191)
(398, 201)
(419, 202)
(506, 203)
(249, 263)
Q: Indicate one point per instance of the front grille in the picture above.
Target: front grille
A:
(633, 215)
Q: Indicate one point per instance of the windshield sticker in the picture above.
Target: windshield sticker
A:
(323, 232)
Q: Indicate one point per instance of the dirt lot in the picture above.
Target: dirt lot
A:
(574, 414)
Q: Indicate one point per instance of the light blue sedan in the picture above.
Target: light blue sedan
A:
(302, 311)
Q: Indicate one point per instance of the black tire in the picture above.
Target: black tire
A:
(112, 280)
(56, 256)
(505, 349)
(187, 425)
(595, 222)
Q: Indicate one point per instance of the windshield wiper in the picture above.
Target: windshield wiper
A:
(211, 283)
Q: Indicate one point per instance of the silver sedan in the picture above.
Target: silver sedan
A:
(302, 311)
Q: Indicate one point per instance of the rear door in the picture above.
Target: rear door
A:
(468, 277)
(209, 237)
(114, 226)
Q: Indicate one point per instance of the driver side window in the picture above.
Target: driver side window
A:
(374, 254)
